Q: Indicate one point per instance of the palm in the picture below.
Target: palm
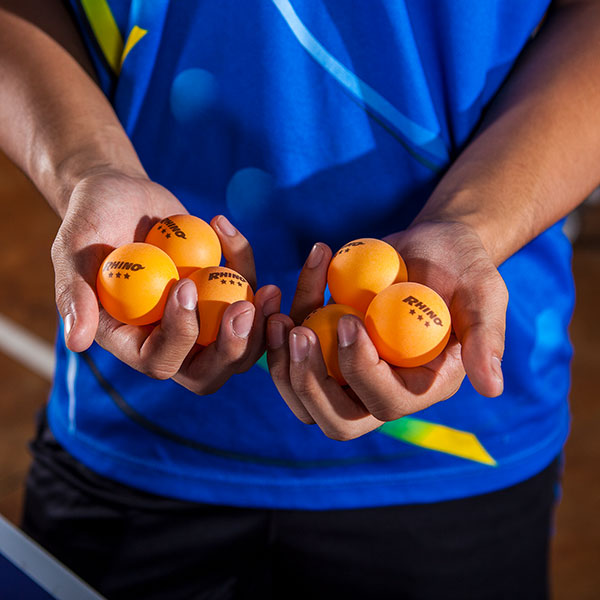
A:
(446, 257)
(108, 210)
(119, 209)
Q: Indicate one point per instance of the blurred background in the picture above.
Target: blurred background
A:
(27, 330)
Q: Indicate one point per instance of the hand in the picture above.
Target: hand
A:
(447, 257)
(109, 209)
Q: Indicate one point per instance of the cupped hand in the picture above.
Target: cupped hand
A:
(109, 209)
(448, 257)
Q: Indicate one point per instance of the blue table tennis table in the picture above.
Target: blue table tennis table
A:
(28, 572)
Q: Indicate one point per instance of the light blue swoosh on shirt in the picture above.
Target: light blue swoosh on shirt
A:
(418, 136)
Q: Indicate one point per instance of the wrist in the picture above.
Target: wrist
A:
(466, 209)
(105, 151)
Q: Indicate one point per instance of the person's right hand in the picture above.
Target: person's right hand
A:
(109, 209)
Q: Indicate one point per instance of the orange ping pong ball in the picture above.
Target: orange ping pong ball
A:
(218, 287)
(134, 281)
(408, 323)
(323, 321)
(363, 268)
(191, 242)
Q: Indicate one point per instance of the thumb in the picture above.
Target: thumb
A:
(479, 325)
(310, 289)
(75, 284)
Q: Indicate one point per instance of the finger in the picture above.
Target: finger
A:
(166, 347)
(338, 415)
(207, 369)
(156, 350)
(239, 344)
(267, 302)
(278, 359)
(236, 249)
(479, 320)
(311, 285)
(391, 393)
(75, 285)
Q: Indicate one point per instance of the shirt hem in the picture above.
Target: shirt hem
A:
(330, 493)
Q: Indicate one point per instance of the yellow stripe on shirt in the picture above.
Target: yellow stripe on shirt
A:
(104, 26)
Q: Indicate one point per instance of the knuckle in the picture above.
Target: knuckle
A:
(305, 288)
(62, 293)
(302, 387)
(305, 418)
(229, 358)
(386, 412)
(242, 366)
(449, 395)
(492, 286)
(353, 368)
(56, 249)
(204, 389)
(340, 433)
(158, 370)
(279, 371)
(502, 292)
(59, 258)
(179, 335)
(243, 363)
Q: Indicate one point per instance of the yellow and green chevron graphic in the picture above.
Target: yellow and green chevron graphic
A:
(440, 438)
(432, 436)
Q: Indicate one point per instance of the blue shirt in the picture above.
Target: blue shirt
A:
(306, 121)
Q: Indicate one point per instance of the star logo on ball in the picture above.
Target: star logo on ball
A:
(412, 311)
(126, 275)
(420, 317)
(118, 274)
(168, 235)
(110, 274)
(426, 323)
(223, 281)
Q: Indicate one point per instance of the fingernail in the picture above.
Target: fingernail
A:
(187, 295)
(315, 257)
(347, 332)
(271, 305)
(69, 320)
(242, 324)
(497, 369)
(275, 334)
(298, 347)
(225, 226)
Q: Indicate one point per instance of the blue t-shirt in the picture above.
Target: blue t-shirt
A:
(306, 121)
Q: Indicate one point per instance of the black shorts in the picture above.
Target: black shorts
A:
(134, 545)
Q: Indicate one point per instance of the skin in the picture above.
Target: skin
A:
(74, 149)
(535, 158)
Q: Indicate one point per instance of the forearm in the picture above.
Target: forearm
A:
(55, 123)
(537, 154)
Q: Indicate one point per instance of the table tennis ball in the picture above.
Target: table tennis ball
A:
(191, 242)
(218, 287)
(323, 322)
(409, 324)
(134, 281)
(363, 268)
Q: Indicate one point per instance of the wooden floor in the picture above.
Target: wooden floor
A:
(26, 297)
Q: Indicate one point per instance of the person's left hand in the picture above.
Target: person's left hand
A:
(448, 257)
